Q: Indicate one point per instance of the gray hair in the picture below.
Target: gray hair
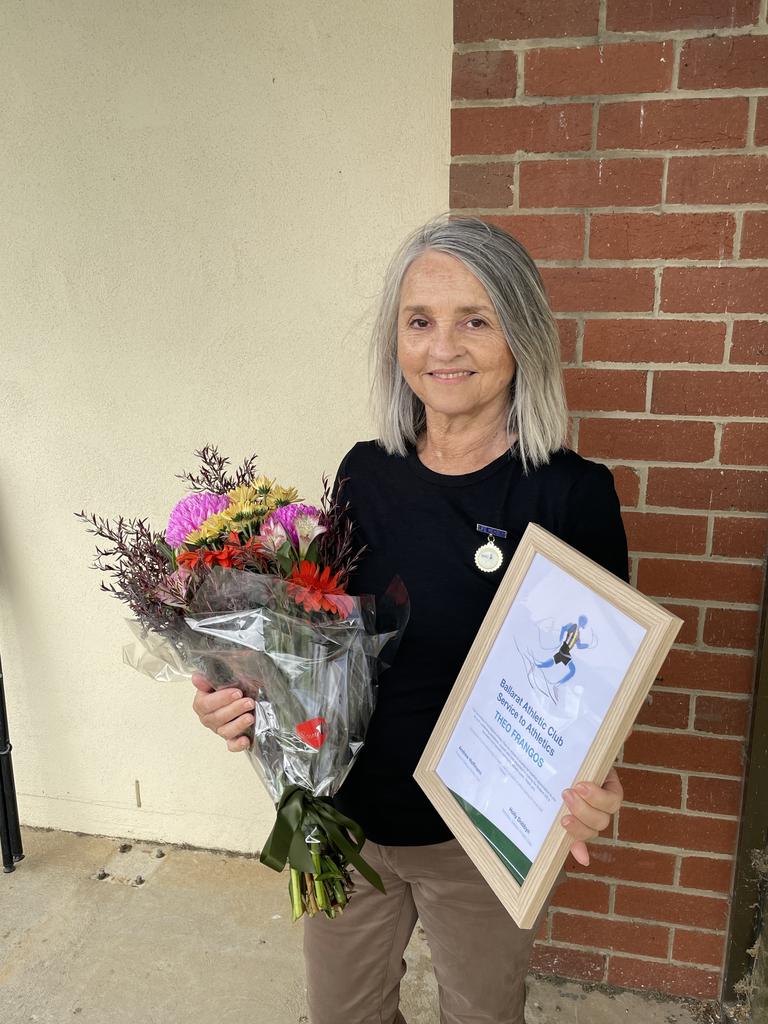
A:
(538, 414)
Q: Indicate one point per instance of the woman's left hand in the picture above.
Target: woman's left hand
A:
(591, 808)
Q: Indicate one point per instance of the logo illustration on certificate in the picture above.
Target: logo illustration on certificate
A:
(546, 675)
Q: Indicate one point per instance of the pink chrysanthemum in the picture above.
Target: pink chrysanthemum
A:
(286, 515)
(190, 513)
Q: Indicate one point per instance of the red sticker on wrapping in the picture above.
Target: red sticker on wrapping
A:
(314, 732)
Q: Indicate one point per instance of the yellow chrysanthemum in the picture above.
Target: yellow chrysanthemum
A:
(283, 496)
(211, 528)
(262, 485)
(243, 512)
(243, 493)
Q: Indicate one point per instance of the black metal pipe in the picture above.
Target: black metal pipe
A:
(10, 832)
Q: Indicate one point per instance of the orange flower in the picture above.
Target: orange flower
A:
(231, 556)
(317, 590)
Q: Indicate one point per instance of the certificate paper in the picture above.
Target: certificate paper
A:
(555, 677)
(536, 706)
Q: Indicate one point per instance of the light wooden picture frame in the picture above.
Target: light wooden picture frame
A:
(494, 771)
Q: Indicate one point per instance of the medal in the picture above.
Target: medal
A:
(489, 557)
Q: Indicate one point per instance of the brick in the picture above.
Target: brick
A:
(706, 670)
(484, 75)
(723, 490)
(674, 124)
(686, 753)
(754, 235)
(650, 236)
(731, 627)
(604, 933)
(698, 947)
(724, 62)
(568, 963)
(745, 444)
(582, 894)
(605, 389)
(651, 789)
(714, 290)
(761, 122)
(627, 485)
(499, 130)
(598, 70)
(725, 716)
(525, 19)
(546, 236)
(750, 342)
(482, 185)
(690, 616)
(634, 865)
(567, 330)
(677, 831)
(740, 537)
(655, 440)
(654, 341)
(706, 873)
(665, 711)
(590, 183)
(670, 907)
(709, 393)
(671, 979)
(658, 15)
(718, 179)
(673, 534)
(714, 796)
(572, 289)
(700, 580)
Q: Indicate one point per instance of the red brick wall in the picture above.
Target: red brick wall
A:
(621, 142)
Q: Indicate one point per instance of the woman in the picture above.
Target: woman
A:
(471, 413)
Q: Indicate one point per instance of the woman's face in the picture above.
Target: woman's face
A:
(450, 345)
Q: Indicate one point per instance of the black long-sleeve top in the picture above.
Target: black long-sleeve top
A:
(422, 526)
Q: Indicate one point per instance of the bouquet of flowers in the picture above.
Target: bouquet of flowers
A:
(247, 585)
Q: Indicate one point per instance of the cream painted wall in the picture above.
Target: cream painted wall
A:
(199, 201)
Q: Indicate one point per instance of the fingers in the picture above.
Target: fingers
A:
(238, 744)
(592, 808)
(580, 853)
(206, 704)
(201, 683)
(606, 798)
(235, 727)
(231, 717)
(588, 814)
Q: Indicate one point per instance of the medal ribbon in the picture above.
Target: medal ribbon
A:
(492, 531)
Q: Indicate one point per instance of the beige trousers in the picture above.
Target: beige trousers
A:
(480, 957)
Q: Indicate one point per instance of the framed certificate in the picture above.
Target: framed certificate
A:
(551, 686)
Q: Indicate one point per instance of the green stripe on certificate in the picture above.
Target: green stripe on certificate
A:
(513, 859)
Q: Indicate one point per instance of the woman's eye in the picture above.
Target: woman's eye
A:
(477, 320)
(416, 321)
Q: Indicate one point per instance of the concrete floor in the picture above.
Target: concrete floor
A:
(202, 938)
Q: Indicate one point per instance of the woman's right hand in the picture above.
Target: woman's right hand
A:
(226, 712)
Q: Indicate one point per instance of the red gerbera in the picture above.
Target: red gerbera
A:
(317, 590)
(233, 555)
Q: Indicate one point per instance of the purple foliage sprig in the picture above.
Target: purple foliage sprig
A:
(139, 562)
(213, 475)
(337, 547)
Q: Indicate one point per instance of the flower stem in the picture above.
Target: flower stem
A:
(297, 904)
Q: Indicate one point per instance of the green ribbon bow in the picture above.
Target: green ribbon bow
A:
(286, 843)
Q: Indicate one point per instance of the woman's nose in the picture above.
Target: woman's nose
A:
(445, 342)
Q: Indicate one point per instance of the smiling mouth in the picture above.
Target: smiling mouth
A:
(451, 374)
